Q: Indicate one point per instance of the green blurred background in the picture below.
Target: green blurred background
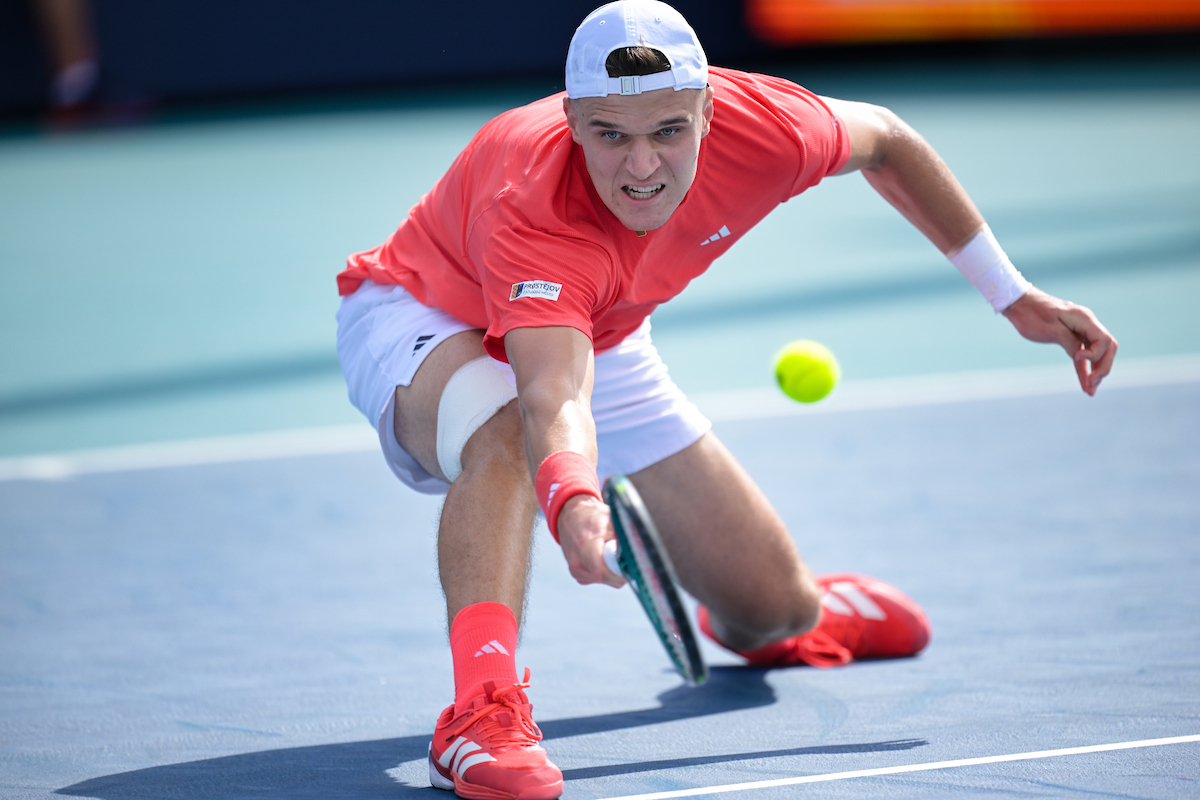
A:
(174, 278)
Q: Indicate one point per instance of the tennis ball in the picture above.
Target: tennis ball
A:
(806, 371)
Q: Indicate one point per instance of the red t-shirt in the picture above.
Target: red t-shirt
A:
(516, 216)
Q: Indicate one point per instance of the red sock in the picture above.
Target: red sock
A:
(483, 643)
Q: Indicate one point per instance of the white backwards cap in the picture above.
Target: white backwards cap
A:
(634, 23)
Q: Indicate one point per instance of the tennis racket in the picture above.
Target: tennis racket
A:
(638, 554)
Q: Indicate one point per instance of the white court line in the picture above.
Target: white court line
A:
(215, 450)
(869, 773)
(726, 406)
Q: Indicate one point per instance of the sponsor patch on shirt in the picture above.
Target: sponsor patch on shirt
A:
(544, 289)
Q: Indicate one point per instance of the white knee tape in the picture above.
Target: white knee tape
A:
(472, 396)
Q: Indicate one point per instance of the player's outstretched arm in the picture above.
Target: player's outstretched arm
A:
(555, 369)
(910, 175)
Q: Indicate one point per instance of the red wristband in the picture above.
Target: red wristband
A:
(560, 477)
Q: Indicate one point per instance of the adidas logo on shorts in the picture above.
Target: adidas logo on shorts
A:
(421, 342)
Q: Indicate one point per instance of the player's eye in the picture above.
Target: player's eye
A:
(611, 136)
(668, 132)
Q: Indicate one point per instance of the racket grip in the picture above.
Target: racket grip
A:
(610, 557)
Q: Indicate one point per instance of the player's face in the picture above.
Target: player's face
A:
(642, 149)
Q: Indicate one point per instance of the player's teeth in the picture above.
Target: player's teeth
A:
(642, 192)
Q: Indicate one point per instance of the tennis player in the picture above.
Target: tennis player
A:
(500, 342)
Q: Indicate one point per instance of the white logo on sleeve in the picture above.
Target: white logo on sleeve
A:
(544, 289)
(716, 237)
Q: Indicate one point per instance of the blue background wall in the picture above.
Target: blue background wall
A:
(167, 50)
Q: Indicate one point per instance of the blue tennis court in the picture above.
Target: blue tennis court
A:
(212, 587)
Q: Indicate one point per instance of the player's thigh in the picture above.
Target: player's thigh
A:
(416, 407)
(729, 546)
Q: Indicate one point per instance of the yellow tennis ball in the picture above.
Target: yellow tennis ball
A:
(806, 371)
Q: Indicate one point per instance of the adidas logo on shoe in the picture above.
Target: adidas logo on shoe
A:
(490, 751)
(462, 755)
(870, 618)
(845, 598)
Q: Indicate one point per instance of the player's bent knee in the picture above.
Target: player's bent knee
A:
(800, 618)
(804, 608)
(473, 395)
(777, 614)
(806, 613)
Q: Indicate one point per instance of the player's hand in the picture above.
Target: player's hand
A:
(1044, 318)
(584, 525)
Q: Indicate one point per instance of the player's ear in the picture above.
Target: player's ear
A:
(572, 120)
(707, 111)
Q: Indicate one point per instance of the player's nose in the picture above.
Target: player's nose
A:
(642, 159)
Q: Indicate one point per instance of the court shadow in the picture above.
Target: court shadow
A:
(653, 766)
(727, 689)
(359, 769)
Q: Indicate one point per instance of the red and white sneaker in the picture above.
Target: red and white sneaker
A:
(861, 617)
(491, 750)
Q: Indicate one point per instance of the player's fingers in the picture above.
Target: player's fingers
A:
(1076, 349)
(587, 565)
(1103, 365)
(613, 580)
(1084, 326)
(584, 524)
(584, 570)
(1096, 347)
(610, 562)
(604, 572)
(1085, 378)
(608, 554)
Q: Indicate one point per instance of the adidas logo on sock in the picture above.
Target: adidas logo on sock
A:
(491, 647)
(845, 598)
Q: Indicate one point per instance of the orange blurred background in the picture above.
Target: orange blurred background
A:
(796, 22)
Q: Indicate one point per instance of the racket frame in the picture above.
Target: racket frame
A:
(647, 567)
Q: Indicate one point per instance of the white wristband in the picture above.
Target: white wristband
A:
(988, 269)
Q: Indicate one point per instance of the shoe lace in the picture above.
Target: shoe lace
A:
(505, 721)
(819, 649)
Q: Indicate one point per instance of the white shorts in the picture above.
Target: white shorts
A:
(384, 334)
